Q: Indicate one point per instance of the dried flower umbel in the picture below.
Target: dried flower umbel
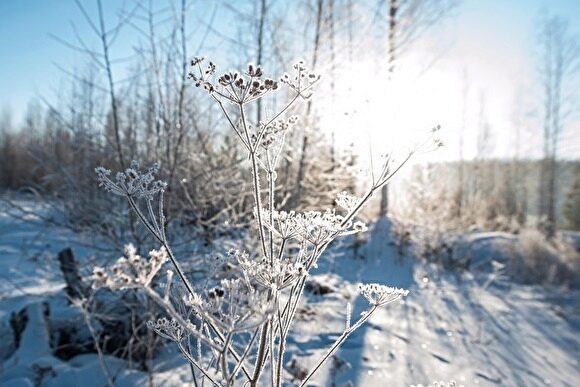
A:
(347, 201)
(130, 271)
(313, 227)
(132, 181)
(381, 295)
(241, 324)
(233, 86)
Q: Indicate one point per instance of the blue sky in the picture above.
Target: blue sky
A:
(494, 39)
(28, 54)
(31, 56)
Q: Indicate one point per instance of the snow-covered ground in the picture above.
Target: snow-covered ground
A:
(478, 329)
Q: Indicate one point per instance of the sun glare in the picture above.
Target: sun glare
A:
(372, 112)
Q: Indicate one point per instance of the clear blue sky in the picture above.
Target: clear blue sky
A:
(28, 53)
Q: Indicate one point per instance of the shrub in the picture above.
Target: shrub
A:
(546, 261)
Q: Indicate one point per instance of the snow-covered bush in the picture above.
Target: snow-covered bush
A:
(426, 221)
(552, 262)
(434, 214)
(234, 331)
(571, 208)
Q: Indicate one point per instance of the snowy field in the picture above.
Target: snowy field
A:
(479, 329)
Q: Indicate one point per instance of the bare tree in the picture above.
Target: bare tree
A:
(571, 206)
(518, 167)
(6, 149)
(460, 193)
(105, 38)
(305, 138)
(407, 21)
(560, 62)
(484, 168)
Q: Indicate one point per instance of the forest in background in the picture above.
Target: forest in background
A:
(142, 106)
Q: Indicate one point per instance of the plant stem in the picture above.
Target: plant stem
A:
(260, 356)
(192, 361)
(241, 359)
(338, 343)
(164, 243)
(271, 190)
(256, 182)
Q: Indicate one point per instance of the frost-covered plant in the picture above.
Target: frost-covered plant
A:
(131, 271)
(234, 330)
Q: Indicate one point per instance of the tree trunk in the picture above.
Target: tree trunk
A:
(302, 162)
(393, 7)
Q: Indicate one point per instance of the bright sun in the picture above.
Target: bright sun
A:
(372, 112)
